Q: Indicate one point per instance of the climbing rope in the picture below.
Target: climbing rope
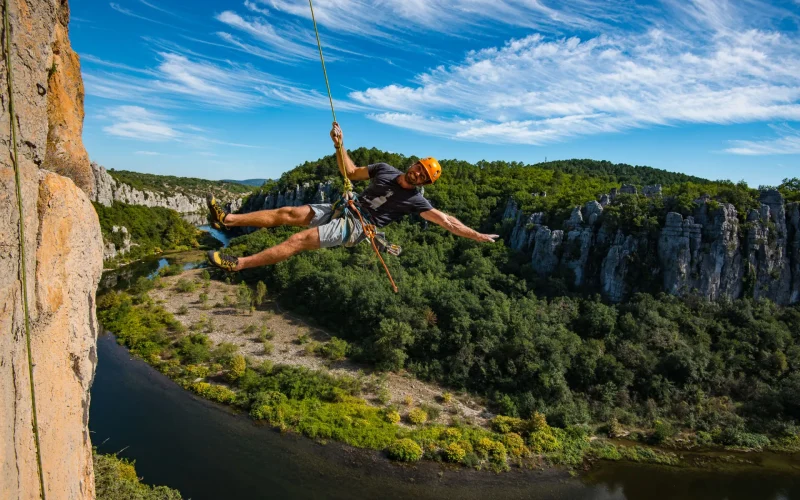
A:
(15, 159)
(347, 198)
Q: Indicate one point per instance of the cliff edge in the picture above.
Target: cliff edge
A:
(64, 255)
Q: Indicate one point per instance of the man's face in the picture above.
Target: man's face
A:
(417, 176)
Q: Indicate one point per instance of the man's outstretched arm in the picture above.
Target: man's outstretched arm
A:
(456, 227)
(346, 165)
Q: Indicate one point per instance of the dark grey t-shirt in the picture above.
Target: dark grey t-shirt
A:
(385, 200)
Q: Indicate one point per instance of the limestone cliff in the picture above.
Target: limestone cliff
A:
(709, 254)
(65, 153)
(108, 190)
(63, 261)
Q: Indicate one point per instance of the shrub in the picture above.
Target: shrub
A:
(335, 349)
(454, 453)
(538, 422)
(661, 432)
(249, 329)
(227, 301)
(432, 411)
(268, 347)
(451, 434)
(261, 292)
(196, 371)
(237, 369)
(266, 334)
(514, 444)
(384, 396)
(205, 275)
(503, 424)
(194, 348)
(182, 310)
(185, 286)
(614, 428)
(214, 392)
(447, 398)
(404, 450)
(408, 400)
(543, 442)
(224, 353)
(116, 478)
(392, 416)
(417, 416)
(244, 296)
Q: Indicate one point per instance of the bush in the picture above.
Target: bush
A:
(261, 293)
(205, 275)
(335, 349)
(266, 334)
(454, 453)
(268, 347)
(115, 478)
(417, 416)
(514, 444)
(661, 432)
(214, 392)
(447, 397)
(384, 396)
(194, 349)
(237, 369)
(503, 424)
(184, 286)
(543, 442)
(182, 310)
(404, 450)
(392, 416)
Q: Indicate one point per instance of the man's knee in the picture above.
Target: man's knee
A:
(296, 216)
(305, 240)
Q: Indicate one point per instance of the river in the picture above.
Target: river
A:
(209, 452)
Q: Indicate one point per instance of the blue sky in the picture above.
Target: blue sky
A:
(234, 89)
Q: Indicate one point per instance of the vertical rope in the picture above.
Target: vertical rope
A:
(18, 182)
(322, 59)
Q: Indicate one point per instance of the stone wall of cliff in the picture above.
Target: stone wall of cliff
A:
(63, 261)
(108, 190)
(709, 254)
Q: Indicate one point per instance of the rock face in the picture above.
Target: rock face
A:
(110, 249)
(63, 261)
(709, 253)
(65, 153)
(107, 190)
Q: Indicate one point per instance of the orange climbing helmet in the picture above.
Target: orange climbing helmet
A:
(432, 167)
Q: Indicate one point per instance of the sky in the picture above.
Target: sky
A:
(234, 89)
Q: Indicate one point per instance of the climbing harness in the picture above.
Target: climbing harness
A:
(349, 201)
(18, 182)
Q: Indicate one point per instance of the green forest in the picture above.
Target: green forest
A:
(151, 229)
(170, 184)
(474, 317)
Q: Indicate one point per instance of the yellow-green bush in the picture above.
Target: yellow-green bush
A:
(543, 442)
(514, 444)
(214, 392)
(417, 416)
(454, 453)
(392, 416)
(538, 422)
(404, 450)
(451, 434)
(238, 367)
(503, 424)
(196, 371)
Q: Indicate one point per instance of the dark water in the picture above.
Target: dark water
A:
(208, 452)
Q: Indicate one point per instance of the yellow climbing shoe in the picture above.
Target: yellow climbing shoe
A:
(216, 214)
(222, 261)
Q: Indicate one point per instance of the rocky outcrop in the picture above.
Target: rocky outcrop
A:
(61, 235)
(107, 190)
(111, 249)
(708, 253)
(65, 153)
(324, 192)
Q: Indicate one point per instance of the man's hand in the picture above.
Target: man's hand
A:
(486, 238)
(336, 135)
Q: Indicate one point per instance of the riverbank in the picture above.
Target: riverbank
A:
(256, 359)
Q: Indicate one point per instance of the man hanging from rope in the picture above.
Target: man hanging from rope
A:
(391, 194)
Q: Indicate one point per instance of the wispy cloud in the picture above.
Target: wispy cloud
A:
(787, 143)
(148, 153)
(179, 80)
(128, 12)
(135, 122)
(156, 7)
(717, 69)
(282, 45)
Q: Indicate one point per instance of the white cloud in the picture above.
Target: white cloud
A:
(148, 153)
(135, 122)
(282, 45)
(128, 12)
(539, 89)
(787, 143)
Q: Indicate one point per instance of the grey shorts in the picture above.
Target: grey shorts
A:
(345, 231)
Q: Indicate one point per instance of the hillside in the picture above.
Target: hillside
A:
(171, 184)
(568, 316)
(247, 182)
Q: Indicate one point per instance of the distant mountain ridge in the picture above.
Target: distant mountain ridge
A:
(247, 182)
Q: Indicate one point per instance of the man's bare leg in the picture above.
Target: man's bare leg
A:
(300, 242)
(286, 216)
